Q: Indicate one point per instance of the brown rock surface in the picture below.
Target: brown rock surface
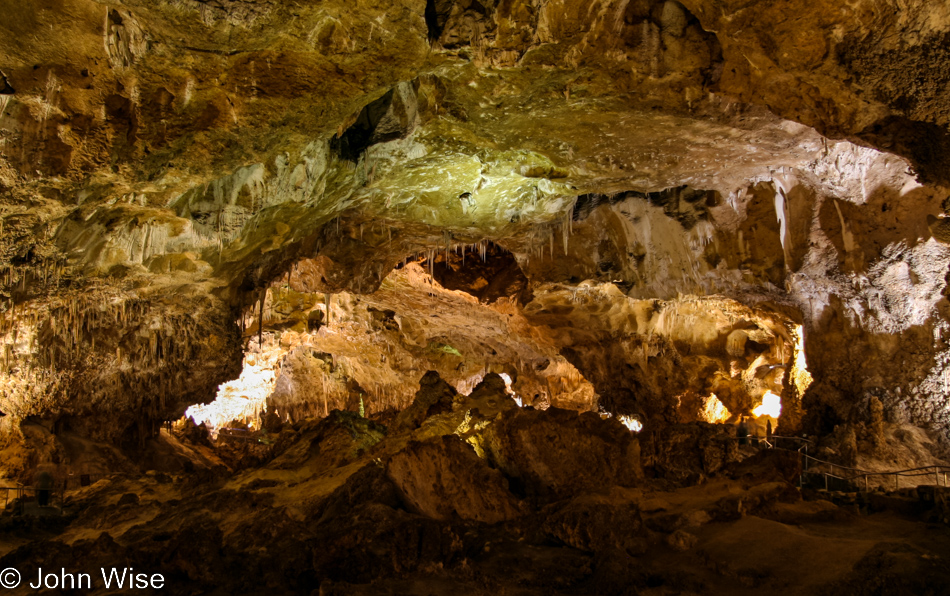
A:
(598, 524)
(558, 452)
(443, 479)
(689, 452)
(435, 396)
(326, 513)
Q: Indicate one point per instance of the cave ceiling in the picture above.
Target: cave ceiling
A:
(164, 163)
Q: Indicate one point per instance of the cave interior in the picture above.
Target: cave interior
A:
(407, 297)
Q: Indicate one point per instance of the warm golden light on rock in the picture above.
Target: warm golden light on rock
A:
(714, 411)
(242, 399)
(771, 406)
(800, 375)
(631, 422)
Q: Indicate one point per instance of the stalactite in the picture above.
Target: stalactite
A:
(566, 228)
(260, 324)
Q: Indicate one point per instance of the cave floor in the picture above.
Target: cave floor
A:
(344, 506)
(843, 554)
(749, 555)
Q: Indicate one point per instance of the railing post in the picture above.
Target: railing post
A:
(896, 481)
(826, 482)
(865, 483)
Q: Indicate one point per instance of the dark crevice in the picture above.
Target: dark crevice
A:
(5, 87)
(927, 145)
(682, 203)
(488, 278)
(218, 52)
(432, 21)
(437, 13)
(355, 140)
(586, 203)
(386, 119)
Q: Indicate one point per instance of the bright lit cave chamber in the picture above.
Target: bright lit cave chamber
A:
(476, 297)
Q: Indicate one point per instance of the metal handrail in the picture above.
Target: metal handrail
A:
(767, 440)
(57, 492)
(802, 439)
(22, 490)
(19, 488)
(935, 469)
(861, 472)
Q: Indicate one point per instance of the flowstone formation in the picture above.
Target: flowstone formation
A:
(236, 238)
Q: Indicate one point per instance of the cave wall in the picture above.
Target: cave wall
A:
(114, 367)
(338, 351)
(826, 245)
(184, 155)
(660, 360)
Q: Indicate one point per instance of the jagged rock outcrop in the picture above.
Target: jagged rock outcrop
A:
(373, 347)
(658, 360)
(556, 452)
(96, 355)
(598, 524)
(443, 479)
(350, 508)
(689, 452)
(435, 396)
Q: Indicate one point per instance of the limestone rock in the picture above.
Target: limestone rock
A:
(330, 443)
(767, 465)
(182, 167)
(443, 479)
(597, 524)
(376, 541)
(688, 452)
(669, 200)
(893, 568)
(435, 396)
(681, 540)
(558, 452)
